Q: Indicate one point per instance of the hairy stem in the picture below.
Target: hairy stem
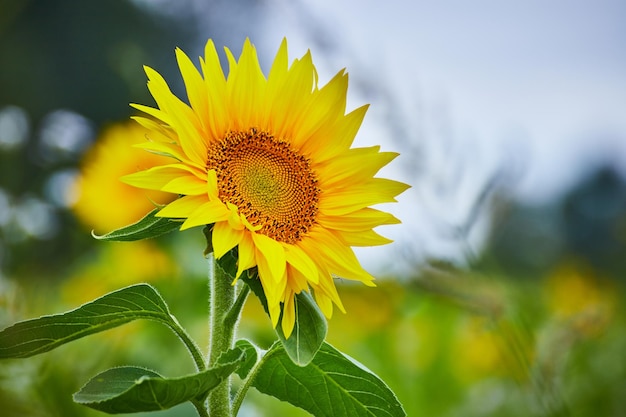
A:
(222, 332)
(200, 408)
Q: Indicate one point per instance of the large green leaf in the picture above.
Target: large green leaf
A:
(310, 328)
(148, 227)
(333, 384)
(31, 337)
(132, 389)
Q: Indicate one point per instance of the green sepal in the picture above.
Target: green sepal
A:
(333, 384)
(131, 389)
(148, 227)
(310, 327)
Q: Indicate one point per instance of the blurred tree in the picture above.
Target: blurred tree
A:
(588, 222)
(68, 68)
(82, 56)
(594, 215)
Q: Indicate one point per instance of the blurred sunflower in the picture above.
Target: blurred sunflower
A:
(268, 163)
(112, 157)
(114, 266)
(575, 293)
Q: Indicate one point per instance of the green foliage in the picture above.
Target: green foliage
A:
(333, 384)
(32, 337)
(131, 389)
(148, 227)
(302, 370)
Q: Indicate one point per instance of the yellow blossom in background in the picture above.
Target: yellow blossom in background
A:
(575, 293)
(477, 350)
(103, 202)
(268, 162)
(117, 265)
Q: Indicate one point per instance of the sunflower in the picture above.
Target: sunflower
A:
(267, 161)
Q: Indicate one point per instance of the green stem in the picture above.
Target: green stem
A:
(221, 298)
(192, 347)
(243, 390)
(232, 317)
(200, 408)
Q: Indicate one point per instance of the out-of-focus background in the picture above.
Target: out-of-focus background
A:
(503, 292)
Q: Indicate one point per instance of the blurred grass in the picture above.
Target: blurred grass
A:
(448, 343)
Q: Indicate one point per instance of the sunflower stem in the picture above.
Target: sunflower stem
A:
(231, 318)
(247, 383)
(222, 331)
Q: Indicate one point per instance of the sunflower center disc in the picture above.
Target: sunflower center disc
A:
(272, 185)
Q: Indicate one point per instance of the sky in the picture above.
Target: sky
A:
(544, 75)
(532, 92)
(521, 96)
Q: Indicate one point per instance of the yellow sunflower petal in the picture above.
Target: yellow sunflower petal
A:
(215, 83)
(186, 185)
(364, 238)
(208, 213)
(246, 258)
(246, 88)
(225, 238)
(326, 106)
(353, 167)
(274, 310)
(360, 220)
(274, 254)
(276, 78)
(374, 191)
(296, 280)
(194, 84)
(273, 290)
(298, 258)
(326, 288)
(290, 102)
(183, 207)
(182, 118)
(156, 113)
(339, 136)
(289, 314)
(157, 131)
(212, 185)
(155, 178)
(161, 148)
(339, 258)
(325, 304)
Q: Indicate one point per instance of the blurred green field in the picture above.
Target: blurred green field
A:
(447, 342)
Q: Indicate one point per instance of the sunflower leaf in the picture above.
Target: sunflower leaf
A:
(131, 389)
(309, 331)
(251, 357)
(148, 227)
(35, 336)
(333, 384)
(310, 328)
